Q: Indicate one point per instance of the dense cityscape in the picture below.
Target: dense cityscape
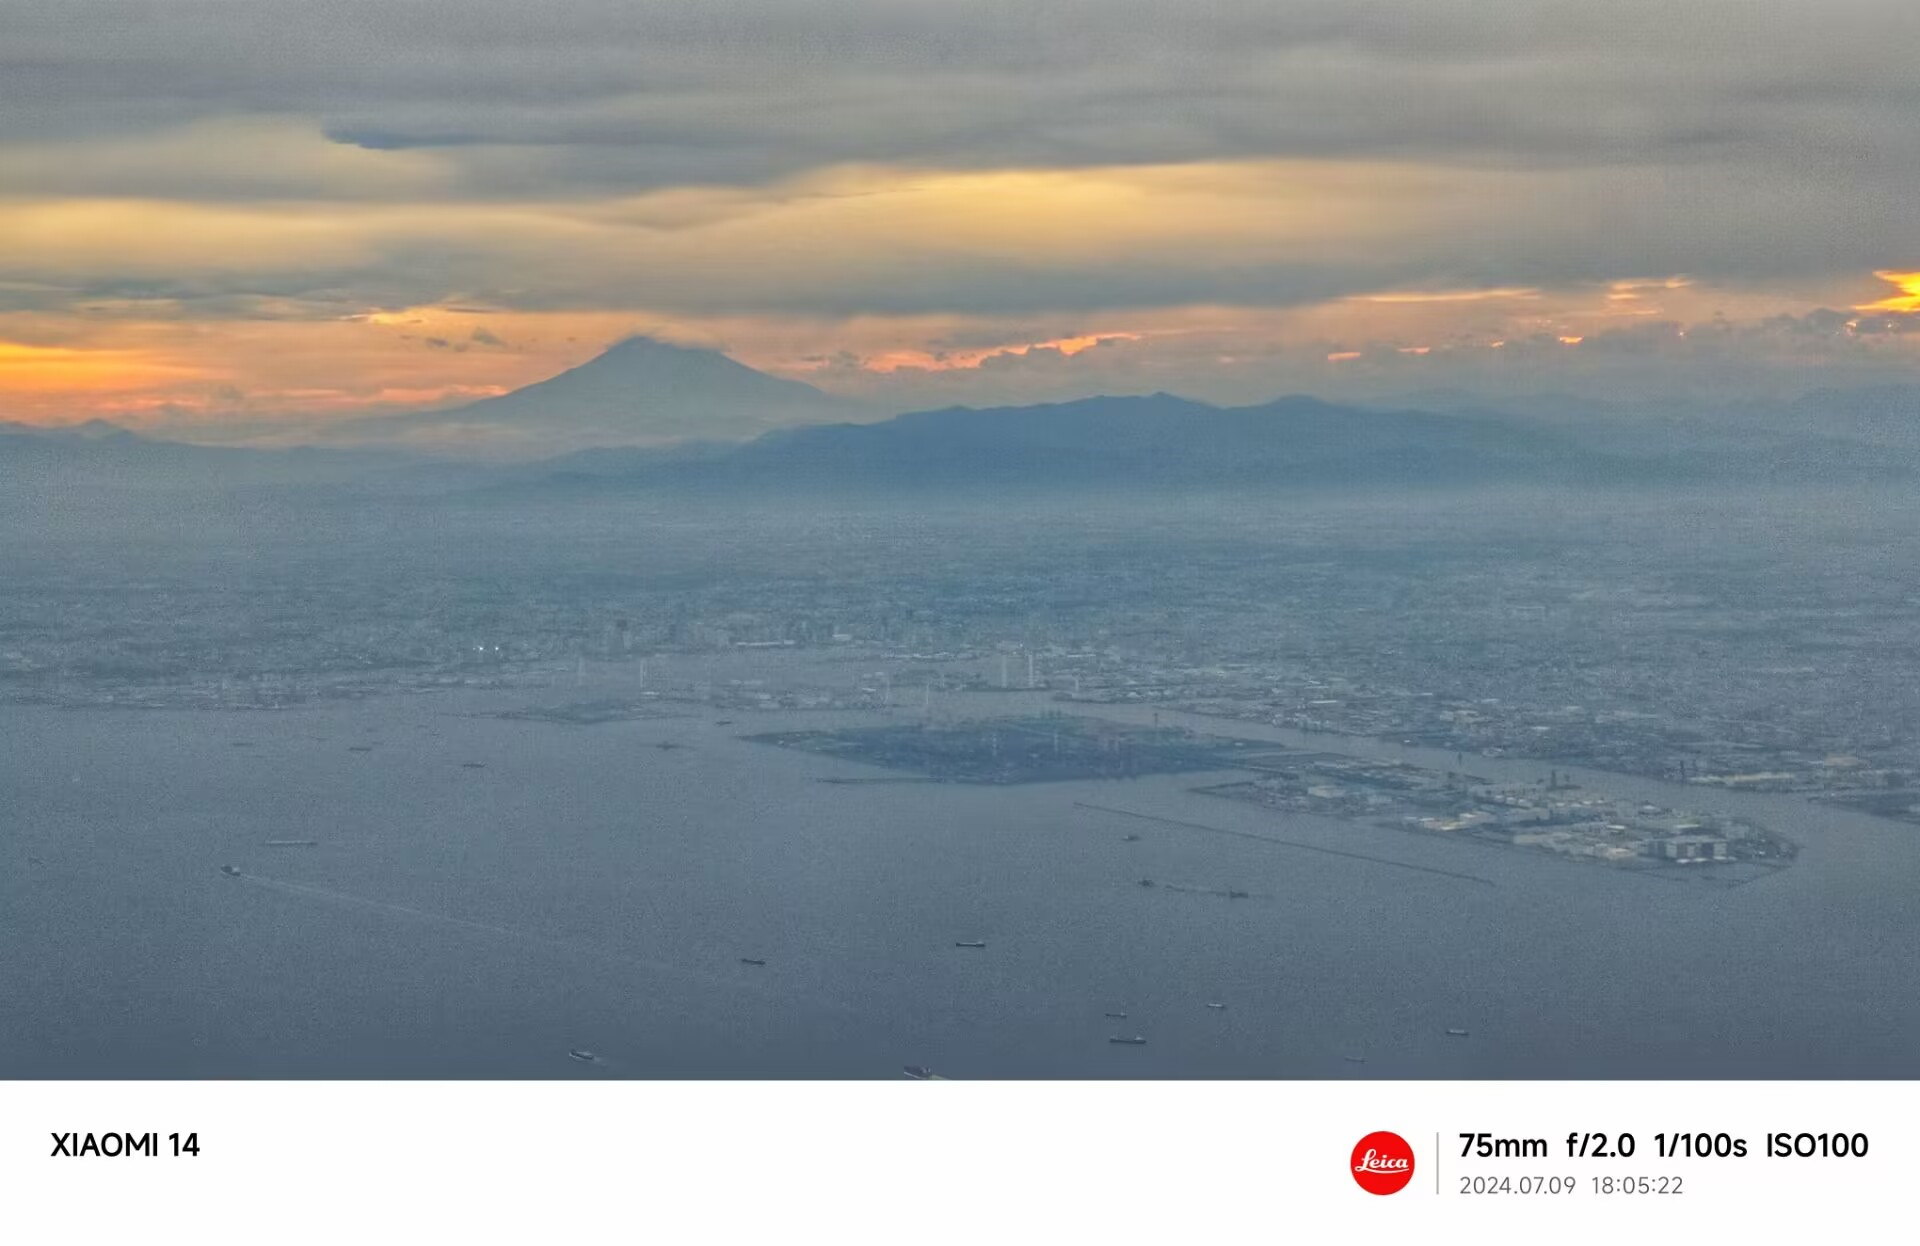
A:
(1602, 639)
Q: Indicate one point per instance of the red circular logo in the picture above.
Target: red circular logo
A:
(1382, 1163)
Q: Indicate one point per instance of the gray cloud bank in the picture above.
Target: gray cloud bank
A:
(631, 95)
(1570, 142)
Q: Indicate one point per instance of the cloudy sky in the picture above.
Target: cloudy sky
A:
(247, 210)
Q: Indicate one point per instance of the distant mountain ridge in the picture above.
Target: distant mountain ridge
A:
(98, 454)
(1155, 439)
(1887, 415)
(89, 430)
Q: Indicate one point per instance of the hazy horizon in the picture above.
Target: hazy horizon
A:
(265, 214)
(705, 397)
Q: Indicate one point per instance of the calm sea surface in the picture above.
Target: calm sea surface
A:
(580, 887)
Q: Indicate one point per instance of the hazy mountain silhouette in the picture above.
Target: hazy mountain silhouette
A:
(640, 391)
(1829, 433)
(98, 454)
(1157, 439)
(1881, 415)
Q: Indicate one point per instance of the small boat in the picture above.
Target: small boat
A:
(723, 722)
(921, 1073)
(1146, 882)
(969, 943)
(1135, 1041)
(230, 871)
(289, 843)
(749, 960)
(359, 748)
(1129, 839)
(1236, 895)
(581, 1054)
(1354, 1059)
(1456, 1033)
(473, 765)
(1217, 1007)
(1117, 1016)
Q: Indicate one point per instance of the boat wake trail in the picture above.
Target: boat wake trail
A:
(1228, 892)
(1290, 843)
(707, 980)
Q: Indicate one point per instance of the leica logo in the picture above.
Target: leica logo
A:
(1382, 1163)
(1373, 1161)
